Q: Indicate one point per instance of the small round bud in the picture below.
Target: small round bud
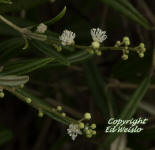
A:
(59, 108)
(127, 43)
(40, 114)
(88, 132)
(118, 43)
(95, 44)
(124, 57)
(87, 116)
(63, 114)
(89, 135)
(91, 51)
(98, 53)
(28, 100)
(126, 39)
(141, 55)
(81, 125)
(93, 126)
(93, 132)
(141, 45)
(143, 50)
(22, 85)
(2, 94)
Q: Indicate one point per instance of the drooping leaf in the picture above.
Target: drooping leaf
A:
(24, 67)
(13, 80)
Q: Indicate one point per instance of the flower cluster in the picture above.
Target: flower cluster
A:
(81, 128)
(140, 49)
(67, 38)
(41, 28)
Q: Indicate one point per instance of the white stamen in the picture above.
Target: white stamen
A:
(98, 35)
(73, 131)
(67, 37)
(41, 28)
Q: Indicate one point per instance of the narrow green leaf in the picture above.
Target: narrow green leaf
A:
(5, 1)
(129, 6)
(5, 136)
(24, 67)
(115, 4)
(130, 108)
(50, 52)
(57, 18)
(13, 80)
(10, 48)
(96, 84)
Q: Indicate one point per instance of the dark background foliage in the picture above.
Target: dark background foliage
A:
(82, 86)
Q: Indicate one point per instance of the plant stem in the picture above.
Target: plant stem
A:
(11, 24)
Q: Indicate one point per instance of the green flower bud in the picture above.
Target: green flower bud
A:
(87, 116)
(118, 43)
(22, 85)
(141, 45)
(93, 132)
(89, 135)
(40, 114)
(126, 39)
(127, 43)
(28, 100)
(2, 94)
(143, 50)
(141, 55)
(98, 53)
(91, 51)
(63, 114)
(124, 57)
(93, 126)
(95, 44)
(88, 132)
(81, 125)
(59, 108)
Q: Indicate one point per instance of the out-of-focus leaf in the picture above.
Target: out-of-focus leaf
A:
(5, 1)
(50, 52)
(13, 80)
(5, 136)
(130, 108)
(120, 143)
(126, 10)
(18, 5)
(102, 97)
(9, 48)
(24, 67)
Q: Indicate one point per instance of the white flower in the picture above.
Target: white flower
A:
(41, 28)
(73, 131)
(98, 35)
(67, 37)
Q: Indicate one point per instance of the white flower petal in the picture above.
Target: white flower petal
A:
(73, 131)
(41, 28)
(98, 35)
(67, 37)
